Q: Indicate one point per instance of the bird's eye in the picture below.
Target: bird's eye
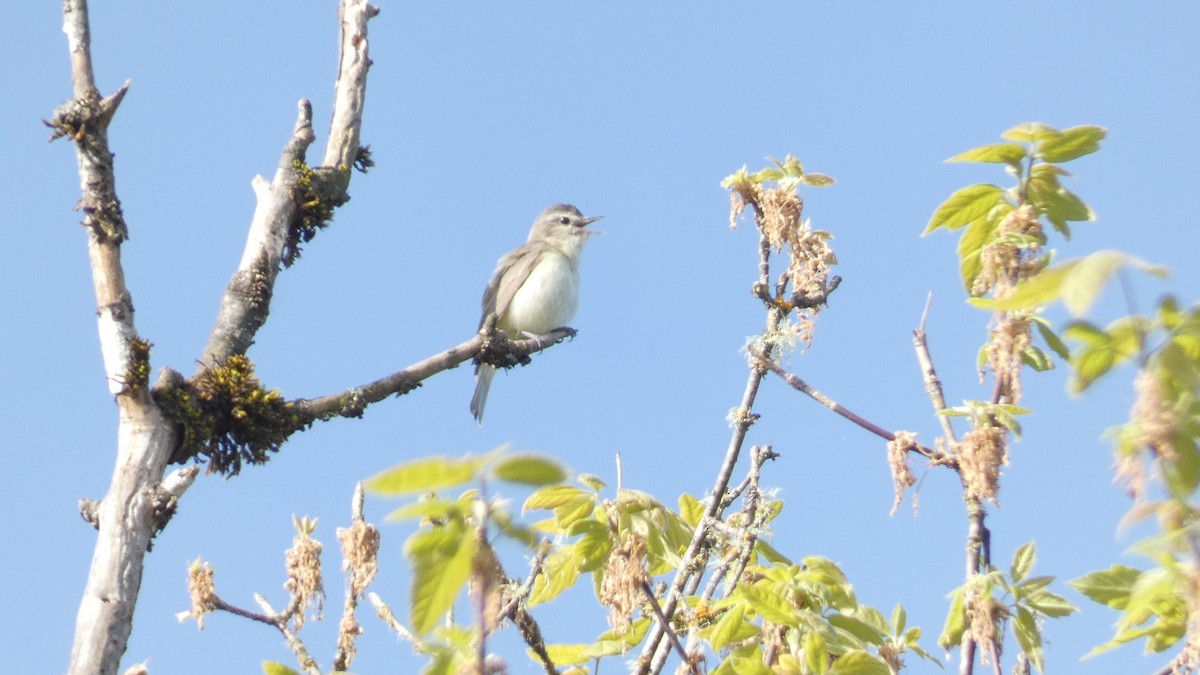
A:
(564, 220)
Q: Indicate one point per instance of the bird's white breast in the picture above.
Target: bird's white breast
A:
(548, 298)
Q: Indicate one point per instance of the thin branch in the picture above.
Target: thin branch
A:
(535, 569)
(691, 567)
(933, 385)
(307, 662)
(803, 387)
(352, 402)
(389, 617)
(360, 548)
(665, 625)
(247, 299)
(750, 515)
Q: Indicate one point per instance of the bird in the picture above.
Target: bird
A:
(535, 287)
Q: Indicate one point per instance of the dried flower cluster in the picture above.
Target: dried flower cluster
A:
(985, 613)
(304, 575)
(203, 593)
(360, 555)
(1012, 255)
(902, 475)
(1010, 338)
(624, 576)
(981, 453)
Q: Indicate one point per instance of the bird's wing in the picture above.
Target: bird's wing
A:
(511, 272)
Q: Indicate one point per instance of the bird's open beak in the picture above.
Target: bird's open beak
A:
(589, 221)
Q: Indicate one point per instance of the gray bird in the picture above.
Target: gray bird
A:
(535, 287)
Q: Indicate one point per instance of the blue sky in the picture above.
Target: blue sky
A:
(479, 116)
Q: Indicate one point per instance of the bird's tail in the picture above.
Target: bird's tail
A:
(483, 382)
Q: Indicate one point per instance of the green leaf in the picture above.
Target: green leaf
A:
(429, 509)
(1029, 637)
(594, 546)
(1041, 289)
(613, 643)
(999, 153)
(554, 496)
(591, 481)
(1032, 585)
(1072, 143)
(1052, 340)
(441, 560)
(858, 662)
(1154, 593)
(978, 234)
(861, 629)
(964, 206)
(1036, 359)
(769, 553)
(559, 572)
(737, 664)
(1023, 560)
(1076, 282)
(956, 622)
(732, 626)
(1090, 364)
(770, 606)
(899, 619)
(529, 469)
(426, 475)
(566, 655)
(1087, 333)
(1030, 132)
(816, 654)
(1051, 605)
(816, 179)
(690, 509)
(273, 668)
(1108, 587)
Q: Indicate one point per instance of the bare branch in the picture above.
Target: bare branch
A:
(280, 621)
(351, 88)
(661, 618)
(389, 617)
(360, 561)
(247, 299)
(352, 402)
(687, 578)
(933, 385)
(800, 385)
(138, 499)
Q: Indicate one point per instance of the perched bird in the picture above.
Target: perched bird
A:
(535, 287)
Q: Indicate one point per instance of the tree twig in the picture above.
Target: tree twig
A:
(933, 385)
(666, 627)
(936, 456)
(352, 402)
(687, 578)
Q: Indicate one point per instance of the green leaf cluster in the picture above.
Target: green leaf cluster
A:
(1164, 432)
(1024, 599)
(1152, 604)
(986, 413)
(1076, 283)
(824, 628)
(789, 173)
(446, 553)
(1032, 156)
(591, 528)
